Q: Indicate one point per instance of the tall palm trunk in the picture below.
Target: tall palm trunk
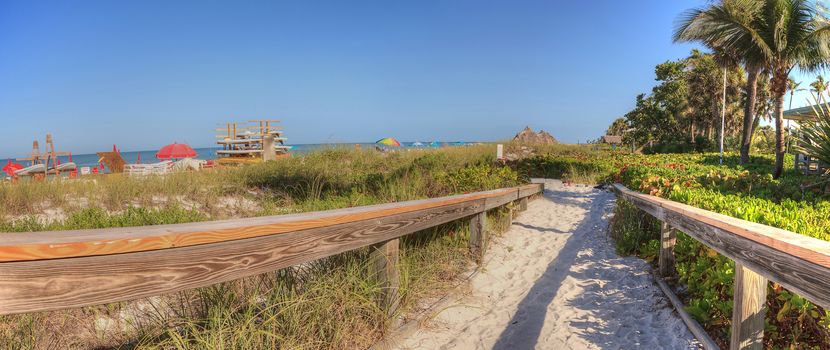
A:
(749, 110)
(692, 131)
(779, 136)
(779, 89)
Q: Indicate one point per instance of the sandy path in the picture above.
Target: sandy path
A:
(553, 281)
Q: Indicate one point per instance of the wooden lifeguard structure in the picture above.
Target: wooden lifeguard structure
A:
(49, 156)
(252, 141)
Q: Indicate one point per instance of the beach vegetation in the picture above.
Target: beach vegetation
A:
(773, 35)
(325, 304)
(704, 278)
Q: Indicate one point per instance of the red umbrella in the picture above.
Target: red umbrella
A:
(11, 167)
(139, 158)
(176, 150)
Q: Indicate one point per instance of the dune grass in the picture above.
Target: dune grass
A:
(326, 304)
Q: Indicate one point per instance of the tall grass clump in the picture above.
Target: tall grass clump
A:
(634, 231)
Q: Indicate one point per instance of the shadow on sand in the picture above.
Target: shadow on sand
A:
(524, 329)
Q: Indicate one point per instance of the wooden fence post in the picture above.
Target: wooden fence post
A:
(668, 237)
(478, 234)
(523, 204)
(268, 151)
(385, 261)
(750, 295)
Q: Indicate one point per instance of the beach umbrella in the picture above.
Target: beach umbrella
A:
(11, 167)
(389, 141)
(176, 150)
(435, 144)
(139, 158)
(417, 144)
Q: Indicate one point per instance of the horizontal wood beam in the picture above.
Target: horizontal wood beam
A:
(265, 244)
(531, 189)
(78, 243)
(798, 262)
(497, 201)
(29, 286)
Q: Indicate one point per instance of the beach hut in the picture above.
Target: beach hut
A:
(612, 140)
(803, 162)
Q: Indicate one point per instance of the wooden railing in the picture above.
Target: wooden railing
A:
(760, 252)
(42, 271)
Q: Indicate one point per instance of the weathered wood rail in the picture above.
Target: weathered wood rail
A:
(42, 271)
(760, 252)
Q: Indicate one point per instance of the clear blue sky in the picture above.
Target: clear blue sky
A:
(146, 73)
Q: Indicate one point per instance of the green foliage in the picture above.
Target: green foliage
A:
(815, 135)
(326, 304)
(683, 111)
(744, 191)
(477, 178)
(634, 231)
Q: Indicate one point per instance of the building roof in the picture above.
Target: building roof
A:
(804, 113)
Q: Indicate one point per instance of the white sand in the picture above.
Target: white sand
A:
(553, 281)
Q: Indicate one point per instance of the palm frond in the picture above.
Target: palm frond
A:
(815, 135)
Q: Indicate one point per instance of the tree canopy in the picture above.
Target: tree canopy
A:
(684, 108)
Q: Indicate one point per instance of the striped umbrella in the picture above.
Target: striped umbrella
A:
(389, 141)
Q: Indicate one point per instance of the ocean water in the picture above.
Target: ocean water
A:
(209, 153)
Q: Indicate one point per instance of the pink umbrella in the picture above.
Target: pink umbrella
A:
(176, 150)
(139, 158)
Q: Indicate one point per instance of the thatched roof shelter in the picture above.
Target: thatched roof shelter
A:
(529, 137)
(612, 139)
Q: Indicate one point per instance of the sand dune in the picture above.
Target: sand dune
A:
(553, 281)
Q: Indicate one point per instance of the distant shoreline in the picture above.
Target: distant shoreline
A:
(206, 153)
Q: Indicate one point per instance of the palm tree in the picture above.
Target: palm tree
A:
(792, 86)
(722, 27)
(617, 127)
(778, 34)
(793, 35)
(819, 86)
